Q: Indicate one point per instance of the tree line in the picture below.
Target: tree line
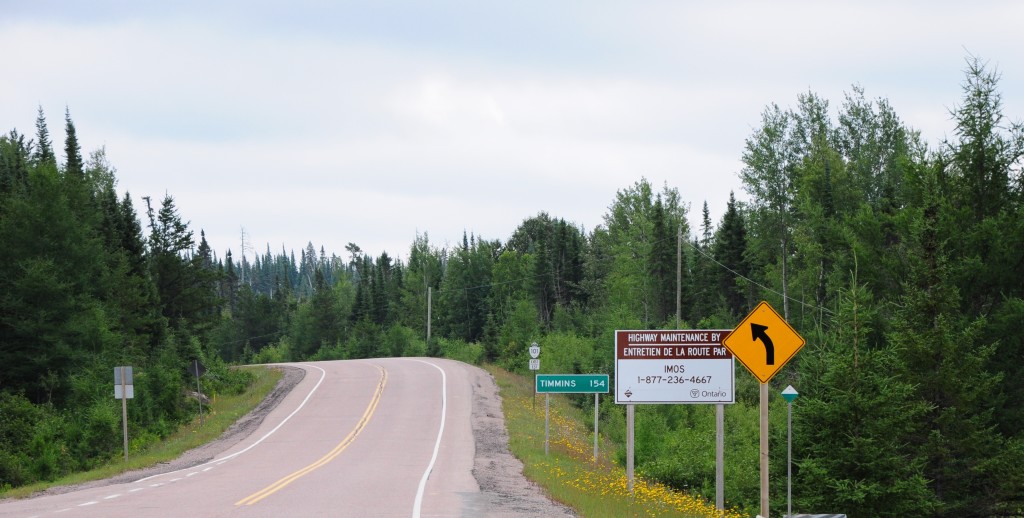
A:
(84, 288)
(898, 261)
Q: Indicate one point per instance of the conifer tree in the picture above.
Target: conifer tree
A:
(704, 272)
(947, 363)
(542, 280)
(15, 157)
(72, 151)
(184, 287)
(44, 146)
(852, 425)
(730, 251)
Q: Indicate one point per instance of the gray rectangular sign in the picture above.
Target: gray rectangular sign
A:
(128, 389)
(127, 375)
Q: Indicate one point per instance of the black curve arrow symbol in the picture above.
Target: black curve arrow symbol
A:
(758, 331)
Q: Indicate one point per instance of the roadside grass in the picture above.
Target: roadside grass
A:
(569, 473)
(222, 412)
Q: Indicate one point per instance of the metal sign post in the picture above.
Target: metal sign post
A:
(790, 395)
(124, 412)
(597, 413)
(548, 384)
(547, 421)
(534, 351)
(124, 389)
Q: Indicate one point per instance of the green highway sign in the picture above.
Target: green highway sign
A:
(572, 383)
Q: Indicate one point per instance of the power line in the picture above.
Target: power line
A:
(755, 283)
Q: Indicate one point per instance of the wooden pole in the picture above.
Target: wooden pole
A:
(720, 456)
(679, 274)
(630, 436)
(764, 450)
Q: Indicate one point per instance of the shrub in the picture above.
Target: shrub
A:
(278, 353)
(471, 353)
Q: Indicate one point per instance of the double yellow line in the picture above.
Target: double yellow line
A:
(280, 484)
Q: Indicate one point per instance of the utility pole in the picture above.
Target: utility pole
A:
(245, 247)
(679, 274)
(429, 301)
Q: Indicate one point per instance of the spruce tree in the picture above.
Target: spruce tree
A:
(944, 358)
(853, 422)
(704, 272)
(730, 251)
(15, 157)
(44, 146)
(72, 151)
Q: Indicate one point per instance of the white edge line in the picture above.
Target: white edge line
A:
(323, 374)
(437, 445)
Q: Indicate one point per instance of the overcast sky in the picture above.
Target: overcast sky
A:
(333, 122)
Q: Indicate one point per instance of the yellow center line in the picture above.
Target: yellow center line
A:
(280, 484)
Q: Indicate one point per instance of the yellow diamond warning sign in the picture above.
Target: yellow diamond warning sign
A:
(763, 342)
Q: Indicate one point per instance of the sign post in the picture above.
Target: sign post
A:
(720, 456)
(790, 395)
(548, 384)
(764, 342)
(197, 369)
(534, 351)
(680, 366)
(124, 389)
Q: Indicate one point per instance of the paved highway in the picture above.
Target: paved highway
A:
(382, 437)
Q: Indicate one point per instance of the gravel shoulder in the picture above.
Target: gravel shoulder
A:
(497, 471)
(499, 474)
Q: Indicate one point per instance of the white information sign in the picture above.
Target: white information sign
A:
(123, 378)
(534, 364)
(687, 366)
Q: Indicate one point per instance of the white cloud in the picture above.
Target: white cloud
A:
(365, 123)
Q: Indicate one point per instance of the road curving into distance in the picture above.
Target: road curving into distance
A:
(378, 437)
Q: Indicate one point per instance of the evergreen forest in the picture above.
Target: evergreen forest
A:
(900, 263)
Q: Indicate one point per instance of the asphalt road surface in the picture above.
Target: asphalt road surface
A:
(381, 437)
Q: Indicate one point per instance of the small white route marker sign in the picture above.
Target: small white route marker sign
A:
(534, 356)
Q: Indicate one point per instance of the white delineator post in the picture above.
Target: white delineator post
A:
(790, 395)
